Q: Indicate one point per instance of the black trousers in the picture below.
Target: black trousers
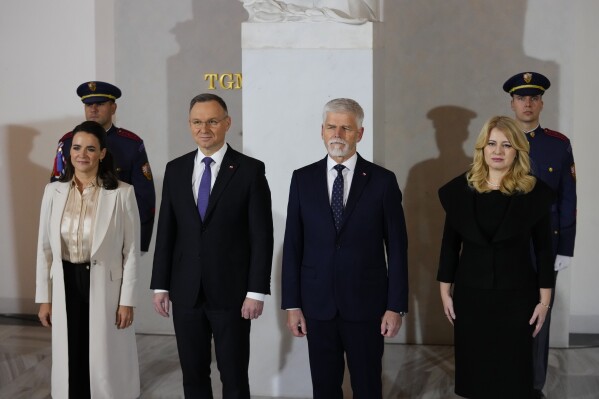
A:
(194, 329)
(540, 348)
(76, 284)
(330, 342)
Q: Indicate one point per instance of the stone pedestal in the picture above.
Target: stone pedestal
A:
(290, 70)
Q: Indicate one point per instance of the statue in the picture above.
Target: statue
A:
(357, 12)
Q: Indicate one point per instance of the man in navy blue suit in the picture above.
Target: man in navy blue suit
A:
(553, 163)
(345, 274)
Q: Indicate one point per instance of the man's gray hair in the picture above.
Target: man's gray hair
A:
(344, 106)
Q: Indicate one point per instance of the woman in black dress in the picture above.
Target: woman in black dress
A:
(496, 286)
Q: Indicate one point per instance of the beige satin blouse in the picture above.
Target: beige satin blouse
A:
(78, 221)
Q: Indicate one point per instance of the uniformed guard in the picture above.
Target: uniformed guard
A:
(128, 150)
(552, 162)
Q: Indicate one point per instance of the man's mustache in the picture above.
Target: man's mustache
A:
(337, 141)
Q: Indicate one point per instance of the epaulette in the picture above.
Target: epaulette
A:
(68, 135)
(557, 135)
(128, 134)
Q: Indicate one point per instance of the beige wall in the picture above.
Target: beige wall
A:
(585, 85)
(46, 53)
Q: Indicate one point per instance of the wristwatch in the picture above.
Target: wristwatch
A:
(402, 314)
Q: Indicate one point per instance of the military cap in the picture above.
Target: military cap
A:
(97, 92)
(526, 84)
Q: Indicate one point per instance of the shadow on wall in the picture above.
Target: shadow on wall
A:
(205, 47)
(27, 180)
(425, 218)
(164, 50)
(445, 62)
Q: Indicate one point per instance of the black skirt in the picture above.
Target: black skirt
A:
(493, 342)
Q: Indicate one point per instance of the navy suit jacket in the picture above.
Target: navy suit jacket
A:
(230, 252)
(553, 163)
(359, 272)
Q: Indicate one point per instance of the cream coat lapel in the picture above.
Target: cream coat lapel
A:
(59, 201)
(106, 204)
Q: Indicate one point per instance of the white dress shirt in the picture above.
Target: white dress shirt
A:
(348, 175)
(199, 166)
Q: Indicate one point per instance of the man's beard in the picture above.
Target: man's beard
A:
(335, 150)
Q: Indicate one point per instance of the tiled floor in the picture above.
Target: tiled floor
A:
(410, 371)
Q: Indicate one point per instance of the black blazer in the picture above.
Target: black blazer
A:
(359, 272)
(505, 261)
(231, 252)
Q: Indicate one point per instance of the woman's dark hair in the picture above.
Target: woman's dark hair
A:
(106, 173)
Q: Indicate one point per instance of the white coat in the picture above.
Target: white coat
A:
(114, 368)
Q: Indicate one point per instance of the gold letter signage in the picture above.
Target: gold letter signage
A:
(226, 81)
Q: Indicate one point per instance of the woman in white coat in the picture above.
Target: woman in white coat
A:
(87, 258)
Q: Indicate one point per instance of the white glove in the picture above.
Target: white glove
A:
(562, 262)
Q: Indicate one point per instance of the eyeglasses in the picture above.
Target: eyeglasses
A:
(210, 123)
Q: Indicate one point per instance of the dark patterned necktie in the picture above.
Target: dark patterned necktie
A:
(337, 196)
(204, 189)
